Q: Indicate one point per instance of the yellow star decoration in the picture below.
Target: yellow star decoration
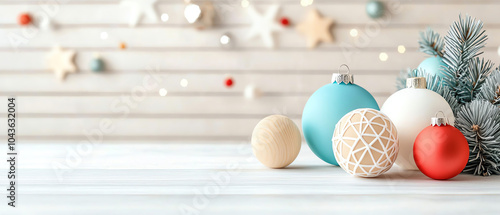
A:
(61, 62)
(316, 28)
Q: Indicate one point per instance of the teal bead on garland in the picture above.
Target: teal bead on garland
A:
(375, 9)
(434, 66)
(326, 107)
(97, 65)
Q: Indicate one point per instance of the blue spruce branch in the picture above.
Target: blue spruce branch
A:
(464, 41)
(431, 43)
(472, 79)
(490, 90)
(479, 121)
(471, 88)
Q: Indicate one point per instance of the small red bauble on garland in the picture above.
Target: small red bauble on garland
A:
(229, 81)
(441, 150)
(24, 19)
(284, 21)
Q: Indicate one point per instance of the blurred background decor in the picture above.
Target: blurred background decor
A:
(163, 117)
(208, 78)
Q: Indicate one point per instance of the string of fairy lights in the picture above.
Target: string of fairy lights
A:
(315, 28)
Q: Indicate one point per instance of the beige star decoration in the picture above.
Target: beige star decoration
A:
(316, 28)
(61, 62)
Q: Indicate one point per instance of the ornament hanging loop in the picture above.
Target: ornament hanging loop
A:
(439, 121)
(345, 78)
(440, 112)
(347, 67)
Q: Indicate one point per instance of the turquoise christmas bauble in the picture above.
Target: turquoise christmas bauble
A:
(97, 65)
(375, 9)
(326, 107)
(433, 66)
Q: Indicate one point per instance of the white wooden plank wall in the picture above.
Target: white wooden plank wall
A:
(205, 109)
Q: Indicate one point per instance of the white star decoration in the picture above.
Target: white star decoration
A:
(61, 62)
(264, 25)
(138, 8)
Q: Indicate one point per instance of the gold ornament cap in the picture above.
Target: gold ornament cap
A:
(417, 83)
(345, 78)
(439, 121)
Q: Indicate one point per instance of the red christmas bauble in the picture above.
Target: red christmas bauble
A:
(229, 82)
(24, 19)
(441, 152)
(284, 21)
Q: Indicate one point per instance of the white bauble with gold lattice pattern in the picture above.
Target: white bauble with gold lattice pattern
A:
(365, 142)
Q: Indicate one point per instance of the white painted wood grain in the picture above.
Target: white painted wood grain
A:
(196, 83)
(290, 60)
(160, 105)
(301, 59)
(162, 177)
(185, 37)
(174, 105)
(157, 126)
(233, 13)
(256, 204)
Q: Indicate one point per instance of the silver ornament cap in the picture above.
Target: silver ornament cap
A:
(417, 83)
(439, 121)
(345, 78)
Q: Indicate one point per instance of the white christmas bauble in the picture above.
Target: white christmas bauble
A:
(226, 40)
(276, 141)
(410, 110)
(251, 92)
(46, 24)
(365, 142)
(43, 22)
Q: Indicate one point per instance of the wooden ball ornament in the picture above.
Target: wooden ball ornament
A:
(276, 141)
(365, 142)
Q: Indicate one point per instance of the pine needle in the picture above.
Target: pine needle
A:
(479, 121)
(472, 79)
(431, 43)
(464, 41)
(490, 89)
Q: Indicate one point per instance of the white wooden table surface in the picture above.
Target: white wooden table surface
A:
(224, 178)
